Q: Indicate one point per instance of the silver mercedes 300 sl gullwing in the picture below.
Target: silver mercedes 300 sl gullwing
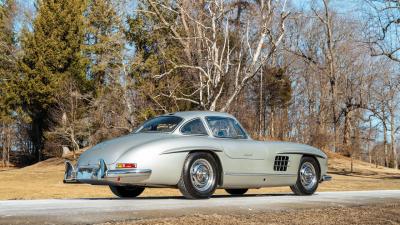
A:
(198, 152)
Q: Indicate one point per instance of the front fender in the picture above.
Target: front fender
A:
(303, 150)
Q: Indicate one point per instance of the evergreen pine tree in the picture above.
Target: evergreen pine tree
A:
(7, 54)
(52, 56)
(7, 74)
(105, 42)
(112, 108)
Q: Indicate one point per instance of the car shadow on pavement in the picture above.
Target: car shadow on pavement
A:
(183, 198)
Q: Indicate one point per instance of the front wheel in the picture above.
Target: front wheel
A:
(127, 191)
(199, 176)
(307, 178)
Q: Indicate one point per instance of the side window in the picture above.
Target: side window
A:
(194, 127)
(225, 127)
(239, 131)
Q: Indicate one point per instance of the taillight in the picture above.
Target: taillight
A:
(126, 165)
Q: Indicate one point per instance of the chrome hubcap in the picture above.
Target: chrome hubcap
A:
(202, 175)
(308, 176)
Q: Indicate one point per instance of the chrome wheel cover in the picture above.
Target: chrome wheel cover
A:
(202, 175)
(308, 176)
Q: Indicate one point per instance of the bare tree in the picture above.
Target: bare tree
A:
(383, 106)
(317, 43)
(382, 35)
(338, 83)
(70, 116)
(392, 102)
(383, 28)
(225, 44)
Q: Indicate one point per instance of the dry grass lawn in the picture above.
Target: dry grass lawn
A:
(388, 213)
(44, 180)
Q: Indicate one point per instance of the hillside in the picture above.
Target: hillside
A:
(339, 164)
(44, 180)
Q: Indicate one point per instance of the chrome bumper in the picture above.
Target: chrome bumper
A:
(326, 178)
(102, 176)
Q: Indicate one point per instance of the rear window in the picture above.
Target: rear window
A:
(161, 124)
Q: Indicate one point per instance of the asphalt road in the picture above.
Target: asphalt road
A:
(88, 211)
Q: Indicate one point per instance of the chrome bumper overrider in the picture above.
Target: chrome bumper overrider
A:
(101, 175)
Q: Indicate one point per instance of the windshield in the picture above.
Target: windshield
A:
(160, 124)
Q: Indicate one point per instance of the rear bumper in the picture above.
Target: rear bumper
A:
(100, 175)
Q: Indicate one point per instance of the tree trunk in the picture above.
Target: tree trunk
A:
(260, 127)
(346, 129)
(333, 92)
(351, 164)
(4, 155)
(9, 143)
(369, 156)
(36, 135)
(3, 159)
(393, 139)
(369, 142)
(385, 145)
(330, 57)
(272, 123)
(76, 145)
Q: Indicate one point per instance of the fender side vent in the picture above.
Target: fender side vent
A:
(281, 163)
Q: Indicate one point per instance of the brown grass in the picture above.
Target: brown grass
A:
(44, 180)
(388, 213)
(341, 165)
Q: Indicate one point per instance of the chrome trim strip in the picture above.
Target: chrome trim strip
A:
(301, 153)
(257, 174)
(128, 172)
(191, 148)
(88, 167)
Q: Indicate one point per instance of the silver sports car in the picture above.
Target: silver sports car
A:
(198, 152)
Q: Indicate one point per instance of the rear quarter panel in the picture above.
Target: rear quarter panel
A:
(166, 157)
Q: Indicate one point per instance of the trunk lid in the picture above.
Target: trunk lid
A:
(112, 149)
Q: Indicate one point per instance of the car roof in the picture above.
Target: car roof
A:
(193, 114)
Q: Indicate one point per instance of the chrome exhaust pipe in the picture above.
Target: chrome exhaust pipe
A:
(326, 178)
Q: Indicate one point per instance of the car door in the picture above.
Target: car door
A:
(244, 162)
(234, 140)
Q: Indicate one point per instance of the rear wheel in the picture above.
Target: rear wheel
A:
(199, 176)
(307, 178)
(236, 191)
(127, 191)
